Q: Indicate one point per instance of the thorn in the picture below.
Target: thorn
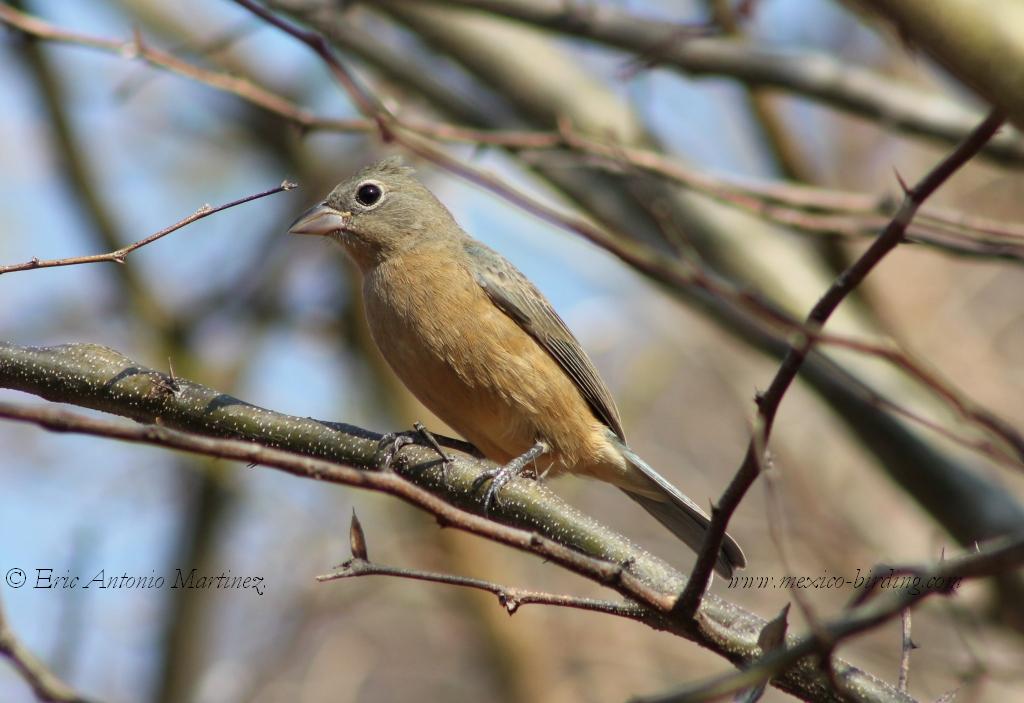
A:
(357, 538)
(173, 384)
(118, 260)
(508, 602)
(758, 398)
(288, 185)
(773, 634)
(133, 49)
(204, 209)
(903, 184)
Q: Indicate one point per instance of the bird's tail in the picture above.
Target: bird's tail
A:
(678, 513)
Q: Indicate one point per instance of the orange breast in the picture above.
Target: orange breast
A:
(475, 368)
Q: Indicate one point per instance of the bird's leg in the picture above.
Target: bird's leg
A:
(389, 446)
(502, 475)
(432, 441)
(391, 443)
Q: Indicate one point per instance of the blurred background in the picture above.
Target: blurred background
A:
(100, 150)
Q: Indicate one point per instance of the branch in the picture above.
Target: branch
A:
(120, 254)
(100, 378)
(1000, 556)
(985, 50)
(45, 684)
(803, 208)
(768, 403)
(810, 74)
(510, 598)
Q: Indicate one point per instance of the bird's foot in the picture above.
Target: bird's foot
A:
(503, 474)
(392, 443)
(446, 460)
(389, 446)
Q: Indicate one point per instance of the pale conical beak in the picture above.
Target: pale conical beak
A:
(320, 220)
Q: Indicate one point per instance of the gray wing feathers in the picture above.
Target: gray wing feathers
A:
(514, 295)
(682, 516)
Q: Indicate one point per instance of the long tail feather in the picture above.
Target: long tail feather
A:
(679, 514)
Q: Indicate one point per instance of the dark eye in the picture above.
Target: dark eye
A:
(368, 194)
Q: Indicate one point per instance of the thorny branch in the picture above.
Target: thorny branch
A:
(510, 598)
(768, 402)
(120, 254)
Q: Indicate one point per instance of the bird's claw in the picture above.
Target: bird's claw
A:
(392, 443)
(389, 446)
(503, 474)
(498, 477)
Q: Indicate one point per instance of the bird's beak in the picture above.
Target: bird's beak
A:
(320, 220)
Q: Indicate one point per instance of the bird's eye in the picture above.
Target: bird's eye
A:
(368, 194)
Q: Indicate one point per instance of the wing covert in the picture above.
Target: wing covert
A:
(518, 298)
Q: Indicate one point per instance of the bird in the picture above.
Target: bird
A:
(481, 347)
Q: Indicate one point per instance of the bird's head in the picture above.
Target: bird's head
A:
(379, 212)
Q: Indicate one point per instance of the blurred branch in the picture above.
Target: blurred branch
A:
(806, 209)
(136, 48)
(44, 683)
(80, 177)
(813, 75)
(999, 556)
(119, 255)
(981, 46)
(768, 402)
(100, 378)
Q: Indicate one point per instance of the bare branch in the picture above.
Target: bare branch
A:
(998, 556)
(807, 209)
(810, 74)
(45, 684)
(769, 403)
(509, 597)
(120, 254)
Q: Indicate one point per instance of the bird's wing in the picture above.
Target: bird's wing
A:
(515, 296)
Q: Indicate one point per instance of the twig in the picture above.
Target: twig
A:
(769, 402)
(120, 254)
(510, 598)
(366, 102)
(45, 684)
(999, 556)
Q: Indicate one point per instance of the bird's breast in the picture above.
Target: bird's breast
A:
(471, 364)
